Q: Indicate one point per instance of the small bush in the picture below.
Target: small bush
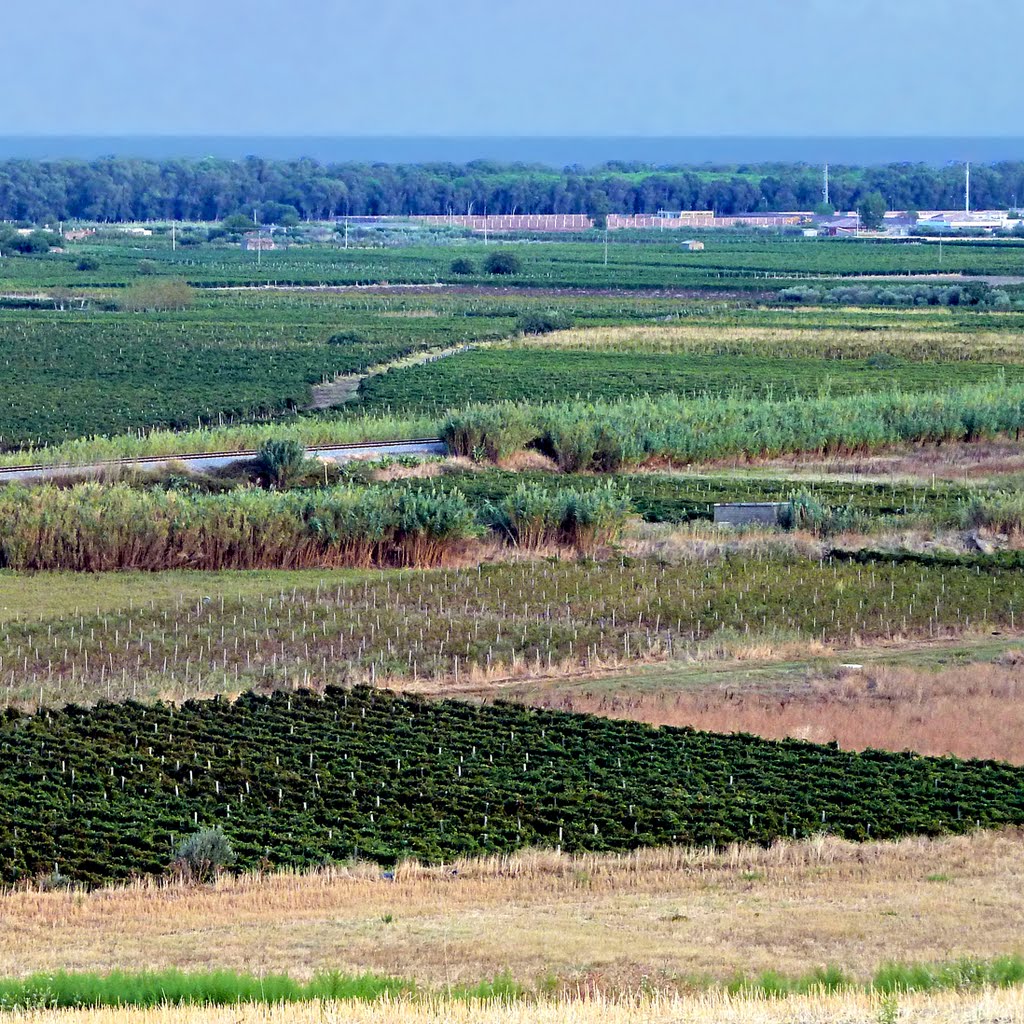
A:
(1002, 512)
(348, 338)
(202, 856)
(804, 512)
(503, 263)
(88, 263)
(543, 323)
(463, 266)
(882, 361)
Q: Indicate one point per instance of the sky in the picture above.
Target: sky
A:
(518, 67)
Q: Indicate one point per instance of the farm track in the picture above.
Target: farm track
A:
(345, 388)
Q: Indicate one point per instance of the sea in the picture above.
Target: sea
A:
(552, 151)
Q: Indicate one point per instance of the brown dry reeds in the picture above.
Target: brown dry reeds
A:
(974, 710)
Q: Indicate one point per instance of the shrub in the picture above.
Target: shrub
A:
(536, 322)
(88, 263)
(348, 338)
(463, 266)
(503, 263)
(493, 431)
(805, 512)
(1002, 512)
(203, 855)
(155, 295)
(281, 461)
(532, 517)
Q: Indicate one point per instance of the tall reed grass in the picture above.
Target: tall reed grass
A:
(93, 527)
(96, 527)
(533, 517)
(608, 435)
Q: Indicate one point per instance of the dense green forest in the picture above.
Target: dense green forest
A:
(115, 189)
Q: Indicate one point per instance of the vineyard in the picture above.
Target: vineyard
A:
(237, 356)
(302, 779)
(522, 375)
(230, 361)
(214, 633)
(636, 260)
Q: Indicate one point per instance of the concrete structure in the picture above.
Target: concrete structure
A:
(750, 513)
(693, 245)
(514, 222)
(262, 243)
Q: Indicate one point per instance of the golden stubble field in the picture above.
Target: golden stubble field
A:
(663, 918)
(989, 1007)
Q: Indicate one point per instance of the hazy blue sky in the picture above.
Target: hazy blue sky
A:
(533, 67)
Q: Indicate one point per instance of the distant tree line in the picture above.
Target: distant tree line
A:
(117, 189)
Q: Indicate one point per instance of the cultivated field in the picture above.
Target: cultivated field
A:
(644, 768)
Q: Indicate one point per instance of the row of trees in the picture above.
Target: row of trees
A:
(116, 189)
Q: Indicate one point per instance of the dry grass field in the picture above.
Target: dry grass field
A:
(658, 918)
(971, 710)
(903, 339)
(989, 1007)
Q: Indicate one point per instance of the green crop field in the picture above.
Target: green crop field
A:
(635, 260)
(303, 780)
(238, 355)
(531, 375)
(234, 355)
(78, 373)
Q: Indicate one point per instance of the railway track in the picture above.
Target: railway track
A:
(215, 460)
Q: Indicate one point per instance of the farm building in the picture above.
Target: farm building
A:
(959, 220)
(849, 225)
(692, 245)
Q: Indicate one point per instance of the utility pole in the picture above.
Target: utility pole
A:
(174, 244)
(967, 188)
(606, 244)
(824, 189)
